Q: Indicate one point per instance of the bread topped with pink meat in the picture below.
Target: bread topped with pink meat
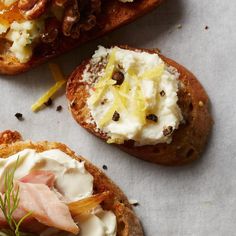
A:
(47, 190)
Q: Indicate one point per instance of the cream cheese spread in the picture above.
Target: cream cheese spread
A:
(73, 182)
(143, 107)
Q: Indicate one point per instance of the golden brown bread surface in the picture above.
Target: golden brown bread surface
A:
(114, 15)
(127, 222)
(188, 140)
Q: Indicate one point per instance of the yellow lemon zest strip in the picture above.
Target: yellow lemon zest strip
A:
(108, 116)
(118, 98)
(102, 85)
(97, 95)
(123, 91)
(56, 72)
(60, 81)
(154, 73)
(115, 140)
(45, 97)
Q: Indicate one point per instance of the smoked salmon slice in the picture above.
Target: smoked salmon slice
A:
(46, 207)
(39, 177)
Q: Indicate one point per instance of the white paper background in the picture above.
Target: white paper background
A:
(198, 199)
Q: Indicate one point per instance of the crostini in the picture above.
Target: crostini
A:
(46, 190)
(144, 103)
(33, 31)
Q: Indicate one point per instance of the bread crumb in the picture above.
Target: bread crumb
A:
(200, 104)
(73, 102)
(179, 26)
(133, 202)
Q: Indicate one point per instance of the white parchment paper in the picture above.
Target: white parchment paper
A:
(198, 199)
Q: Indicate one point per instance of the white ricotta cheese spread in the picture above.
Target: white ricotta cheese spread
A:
(73, 182)
(8, 2)
(145, 103)
(22, 35)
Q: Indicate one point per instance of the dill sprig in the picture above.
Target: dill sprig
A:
(9, 203)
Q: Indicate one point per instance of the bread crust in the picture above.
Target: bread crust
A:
(188, 140)
(127, 222)
(115, 14)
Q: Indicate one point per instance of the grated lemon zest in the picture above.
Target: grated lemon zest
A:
(123, 91)
(120, 93)
(139, 105)
(138, 101)
(56, 72)
(124, 95)
(115, 140)
(47, 95)
(103, 83)
(111, 60)
(153, 74)
(132, 72)
(108, 70)
(97, 95)
(120, 103)
(58, 76)
(108, 116)
(118, 98)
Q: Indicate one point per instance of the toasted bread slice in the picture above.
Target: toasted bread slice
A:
(114, 15)
(127, 222)
(188, 140)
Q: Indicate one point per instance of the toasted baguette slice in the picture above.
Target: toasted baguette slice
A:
(188, 140)
(114, 15)
(127, 222)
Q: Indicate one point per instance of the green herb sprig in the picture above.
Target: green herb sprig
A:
(9, 203)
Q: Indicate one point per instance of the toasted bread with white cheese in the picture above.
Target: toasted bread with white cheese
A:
(188, 140)
(59, 34)
(127, 222)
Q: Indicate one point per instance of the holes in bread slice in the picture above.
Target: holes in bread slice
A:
(187, 151)
(190, 107)
(121, 228)
(190, 153)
